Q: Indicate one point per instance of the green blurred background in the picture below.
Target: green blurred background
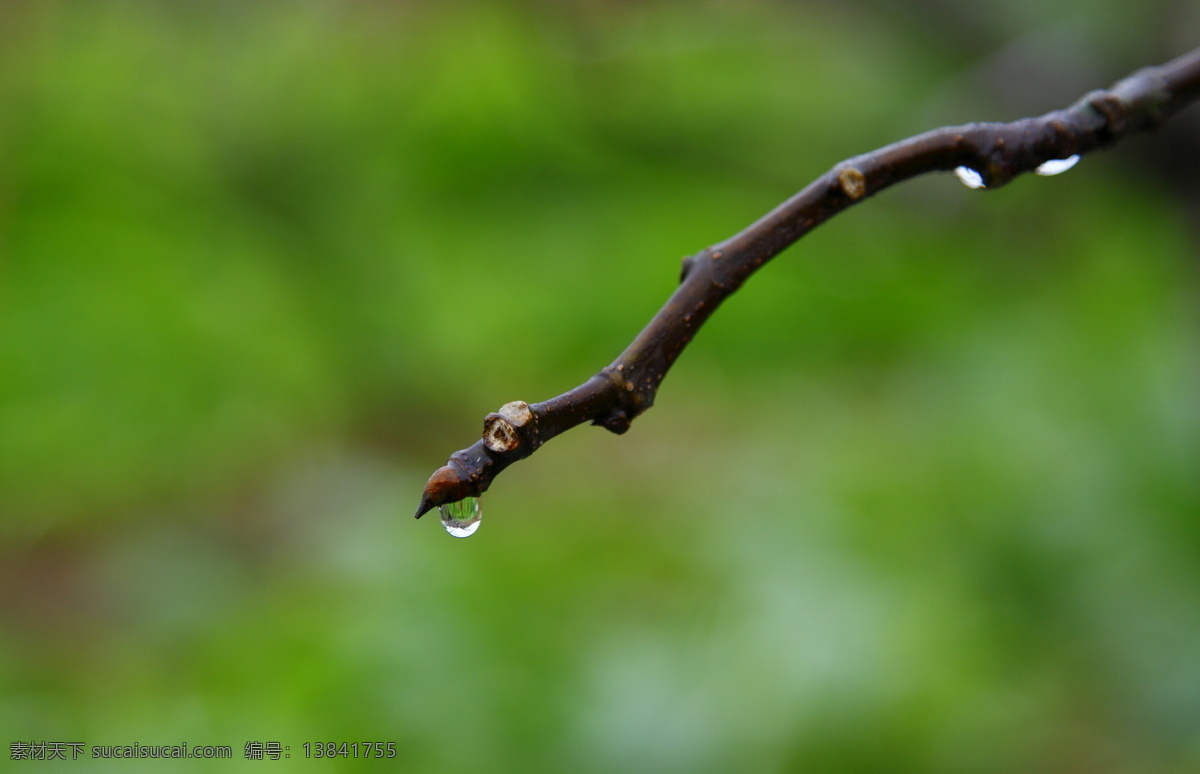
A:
(924, 496)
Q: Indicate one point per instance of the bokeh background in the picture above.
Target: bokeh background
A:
(924, 496)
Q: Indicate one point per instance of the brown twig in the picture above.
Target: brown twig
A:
(998, 152)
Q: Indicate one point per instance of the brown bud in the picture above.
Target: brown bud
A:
(448, 484)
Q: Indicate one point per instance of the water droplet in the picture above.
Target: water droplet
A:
(1057, 166)
(461, 519)
(970, 178)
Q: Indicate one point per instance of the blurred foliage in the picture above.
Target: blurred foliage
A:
(922, 497)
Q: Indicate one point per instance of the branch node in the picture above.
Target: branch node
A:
(1111, 108)
(499, 435)
(1146, 96)
(508, 428)
(616, 421)
(853, 183)
(685, 267)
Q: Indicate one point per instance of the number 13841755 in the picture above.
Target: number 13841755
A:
(349, 749)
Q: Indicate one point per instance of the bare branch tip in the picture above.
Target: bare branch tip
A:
(448, 484)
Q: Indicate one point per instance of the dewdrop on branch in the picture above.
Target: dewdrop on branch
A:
(1057, 166)
(970, 178)
(461, 519)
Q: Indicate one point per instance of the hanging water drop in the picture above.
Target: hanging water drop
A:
(1057, 166)
(461, 518)
(970, 178)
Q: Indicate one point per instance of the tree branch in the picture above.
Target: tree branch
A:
(998, 152)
